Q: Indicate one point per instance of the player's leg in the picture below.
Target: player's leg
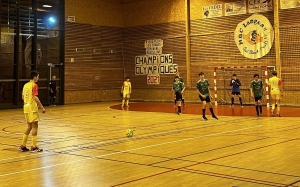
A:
(240, 98)
(232, 99)
(51, 98)
(23, 147)
(34, 147)
(273, 99)
(182, 99)
(203, 110)
(124, 98)
(178, 101)
(278, 104)
(259, 105)
(211, 109)
(127, 99)
(256, 106)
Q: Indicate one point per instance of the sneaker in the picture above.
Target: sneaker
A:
(242, 106)
(231, 105)
(278, 115)
(127, 105)
(215, 117)
(204, 118)
(35, 149)
(23, 148)
(178, 113)
(122, 105)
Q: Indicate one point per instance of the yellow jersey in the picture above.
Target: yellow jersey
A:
(126, 87)
(275, 84)
(30, 90)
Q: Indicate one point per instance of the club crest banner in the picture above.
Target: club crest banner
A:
(254, 36)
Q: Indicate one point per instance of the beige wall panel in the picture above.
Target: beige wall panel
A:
(95, 12)
(153, 12)
(196, 7)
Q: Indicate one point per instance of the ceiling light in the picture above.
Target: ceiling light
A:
(47, 6)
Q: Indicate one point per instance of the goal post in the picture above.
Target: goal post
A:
(245, 74)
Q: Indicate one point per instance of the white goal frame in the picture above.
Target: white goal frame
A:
(244, 67)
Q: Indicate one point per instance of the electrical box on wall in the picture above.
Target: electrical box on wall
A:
(71, 19)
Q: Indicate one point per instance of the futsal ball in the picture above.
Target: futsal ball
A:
(129, 132)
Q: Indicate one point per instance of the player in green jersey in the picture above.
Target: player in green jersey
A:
(256, 89)
(178, 89)
(204, 95)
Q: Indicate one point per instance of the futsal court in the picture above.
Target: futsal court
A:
(86, 145)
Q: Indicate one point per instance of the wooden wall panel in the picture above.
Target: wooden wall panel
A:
(100, 65)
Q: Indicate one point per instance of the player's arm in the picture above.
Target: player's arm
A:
(183, 88)
(251, 90)
(37, 100)
(231, 82)
(130, 88)
(238, 82)
(209, 92)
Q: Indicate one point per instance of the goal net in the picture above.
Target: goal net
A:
(223, 76)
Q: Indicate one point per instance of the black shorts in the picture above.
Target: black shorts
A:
(207, 99)
(236, 93)
(257, 98)
(178, 96)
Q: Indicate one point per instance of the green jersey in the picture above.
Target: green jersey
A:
(202, 86)
(178, 86)
(257, 88)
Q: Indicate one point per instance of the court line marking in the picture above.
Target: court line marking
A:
(119, 152)
(187, 167)
(176, 141)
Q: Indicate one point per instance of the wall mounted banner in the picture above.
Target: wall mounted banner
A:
(212, 11)
(154, 63)
(285, 4)
(259, 6)
(235, 8)
(254, 36)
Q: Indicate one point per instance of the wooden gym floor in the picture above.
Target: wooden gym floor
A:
(85, 145)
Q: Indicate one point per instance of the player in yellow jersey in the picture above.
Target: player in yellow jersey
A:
(31, 103)
(275, 85)
(126, 91)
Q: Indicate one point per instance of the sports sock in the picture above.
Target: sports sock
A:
(123, 101)
(212, 111)
(174, 101)
(53, 100)
(273, 106)
(34, 141)
(256, 107)
(183, 101)
(127, 102)
(24, 140)
(179, 109)
(260, 108)
(232, 101)
(203, 112)
(241, 101)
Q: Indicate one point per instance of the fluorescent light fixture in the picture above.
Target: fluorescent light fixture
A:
(47, 6)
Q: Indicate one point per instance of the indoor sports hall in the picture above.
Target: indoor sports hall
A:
(104, 75)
